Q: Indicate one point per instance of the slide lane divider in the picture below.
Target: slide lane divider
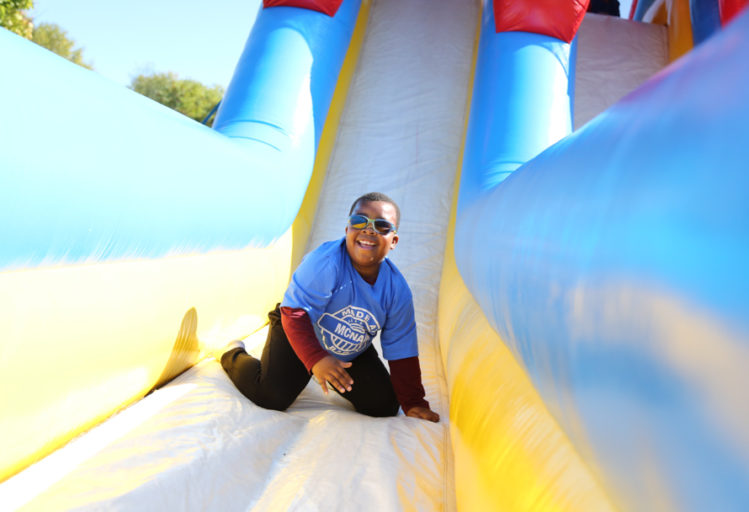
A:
(509, 452)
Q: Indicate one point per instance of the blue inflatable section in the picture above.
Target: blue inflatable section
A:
(168, 185)
(521, 104)
(614, 265)
(263, 100)
(705, 18)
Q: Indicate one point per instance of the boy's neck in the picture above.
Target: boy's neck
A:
(371, 276)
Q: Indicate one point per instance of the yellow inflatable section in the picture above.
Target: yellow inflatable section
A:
(95, 357)
(99, 351)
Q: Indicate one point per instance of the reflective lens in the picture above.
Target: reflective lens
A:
(381, 226)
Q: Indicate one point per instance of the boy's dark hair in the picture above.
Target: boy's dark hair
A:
(370, 197)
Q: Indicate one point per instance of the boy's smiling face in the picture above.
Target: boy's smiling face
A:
(367, 248)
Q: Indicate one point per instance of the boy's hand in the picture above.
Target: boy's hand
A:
(423, 413)
(330, 369)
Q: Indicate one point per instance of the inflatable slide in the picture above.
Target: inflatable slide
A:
(575, 227)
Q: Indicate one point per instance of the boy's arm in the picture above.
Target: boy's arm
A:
(405, 374)
(301, 335)
(298, 328)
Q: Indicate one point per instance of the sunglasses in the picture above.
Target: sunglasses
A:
(381, 226)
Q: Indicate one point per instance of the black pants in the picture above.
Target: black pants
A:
(276, 380)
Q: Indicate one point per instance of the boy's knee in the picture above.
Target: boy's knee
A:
(228, 359)
(383, 409)
(269, 399)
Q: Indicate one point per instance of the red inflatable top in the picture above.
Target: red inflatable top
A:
(555, 18)
(730, 8)
(329, 7)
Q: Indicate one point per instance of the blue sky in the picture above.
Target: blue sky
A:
(624, 6)
(201, 40)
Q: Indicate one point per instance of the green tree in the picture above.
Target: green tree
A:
(13, 17)
(55, 39)
(188, 97)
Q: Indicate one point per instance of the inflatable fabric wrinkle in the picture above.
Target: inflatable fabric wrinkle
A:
(241, 140)
(270, 128)
(185, 351)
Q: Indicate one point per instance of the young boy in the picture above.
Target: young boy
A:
(343, 294)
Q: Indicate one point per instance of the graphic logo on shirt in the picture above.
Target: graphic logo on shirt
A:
(348, 331)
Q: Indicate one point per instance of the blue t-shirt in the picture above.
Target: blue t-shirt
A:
(346, 311)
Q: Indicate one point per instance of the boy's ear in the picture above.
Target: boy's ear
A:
(394, 242)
